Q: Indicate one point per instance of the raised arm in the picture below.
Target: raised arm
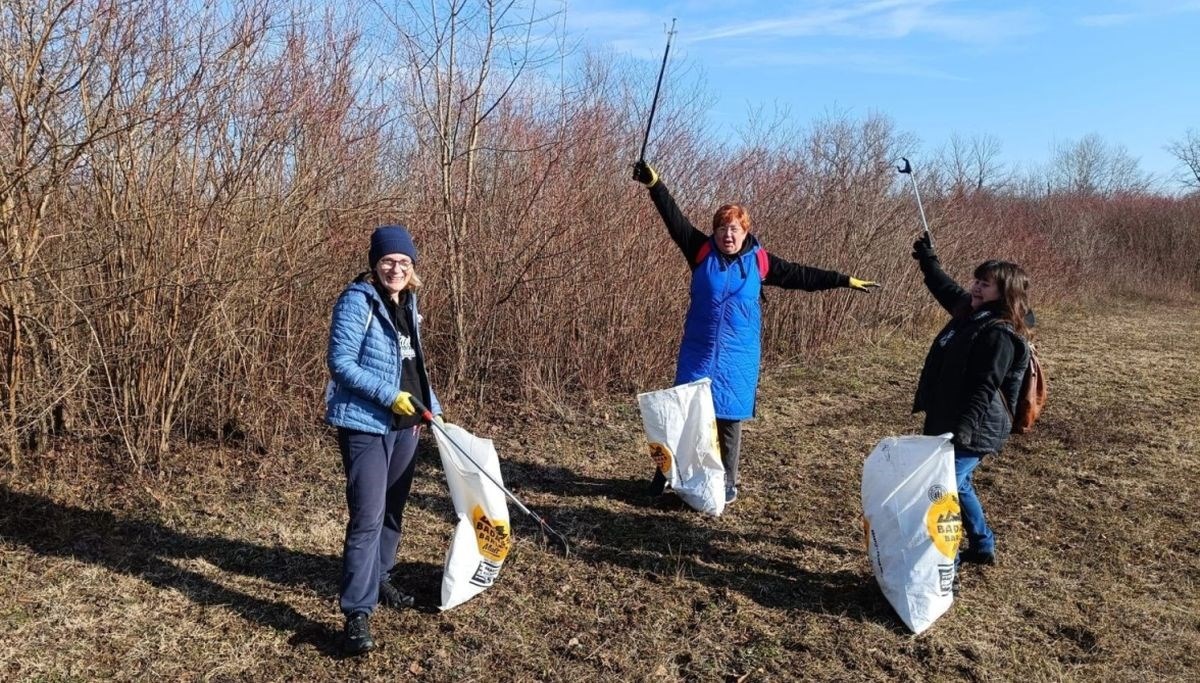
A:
(682, 232)
(944, 289)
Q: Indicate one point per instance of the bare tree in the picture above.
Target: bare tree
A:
(58, 99)
(1091, 166)
(1187, 151)
(464, 58)
(971, 164)
(158, 162)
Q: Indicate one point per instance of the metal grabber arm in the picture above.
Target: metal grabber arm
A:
(547, 531)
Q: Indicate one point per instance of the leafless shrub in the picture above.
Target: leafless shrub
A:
(1092, 166)
(172, 188)
(1187, 151)
(185, 189)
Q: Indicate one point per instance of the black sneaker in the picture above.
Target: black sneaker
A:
(976, 557)
(658, 484)
(730, 494)
(358, 634)
(391, 596)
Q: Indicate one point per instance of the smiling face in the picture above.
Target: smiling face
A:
(1004, 285)
(394, 272)
(731, 225)
(730, 237)
(984, 290)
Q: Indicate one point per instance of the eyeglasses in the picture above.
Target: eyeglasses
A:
(393, 264)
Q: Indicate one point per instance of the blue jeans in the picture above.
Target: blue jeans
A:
(379, 474)
(975, 527)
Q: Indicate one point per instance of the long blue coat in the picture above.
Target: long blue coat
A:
(723, 330)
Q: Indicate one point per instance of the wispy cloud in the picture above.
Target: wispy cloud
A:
(636, 33)
(613, 21)
(1114, 19)
(888, 19)
(857, 27)
(861, 62)
(830, 19)
(1132, 11)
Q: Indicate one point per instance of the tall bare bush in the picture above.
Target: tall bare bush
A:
(185, 189)
(169, 252)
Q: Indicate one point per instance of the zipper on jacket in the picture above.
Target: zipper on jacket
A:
(418, 352)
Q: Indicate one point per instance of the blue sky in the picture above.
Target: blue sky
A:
(1028, 73)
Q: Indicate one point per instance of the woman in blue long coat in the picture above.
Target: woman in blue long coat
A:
(722, 333)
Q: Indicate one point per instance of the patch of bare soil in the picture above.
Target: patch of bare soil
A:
(231, 572)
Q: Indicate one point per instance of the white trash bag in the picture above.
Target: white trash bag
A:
(681, 426)
(913, 524)
(482, 537)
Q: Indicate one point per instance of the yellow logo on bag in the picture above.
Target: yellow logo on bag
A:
(494, 537)
(661, 455)
(716, 439)
(944, 521)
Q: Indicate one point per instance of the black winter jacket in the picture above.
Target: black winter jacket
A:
(973, 371)
(781, 273)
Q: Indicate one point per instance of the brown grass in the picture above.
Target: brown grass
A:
(229, 571)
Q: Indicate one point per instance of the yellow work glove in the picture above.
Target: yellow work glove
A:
(863, 285)
(645, 174)
(403, 405)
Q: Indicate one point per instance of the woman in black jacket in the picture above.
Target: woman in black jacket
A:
(972, 374)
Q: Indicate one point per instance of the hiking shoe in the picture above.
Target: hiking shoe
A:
(358, 634)
(730, 494)
(977, 557)
(391, 596)
(658, 484)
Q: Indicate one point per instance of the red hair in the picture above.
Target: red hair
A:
(731, 213)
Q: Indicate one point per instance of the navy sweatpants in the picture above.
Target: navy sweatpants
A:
(379, 473)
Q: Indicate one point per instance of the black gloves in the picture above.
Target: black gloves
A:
(645, 174)
(923, 249)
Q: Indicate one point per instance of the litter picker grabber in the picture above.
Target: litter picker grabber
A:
(654, 104)
(906, 169)
(547, 530)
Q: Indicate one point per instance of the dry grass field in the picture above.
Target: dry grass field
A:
(225, 566)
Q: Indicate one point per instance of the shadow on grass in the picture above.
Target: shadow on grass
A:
(563, 482)
(661, 536)
(661, 545)
(560, 481)
(149, 551)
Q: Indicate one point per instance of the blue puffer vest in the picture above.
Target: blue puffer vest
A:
(364, 361)
(723, 329)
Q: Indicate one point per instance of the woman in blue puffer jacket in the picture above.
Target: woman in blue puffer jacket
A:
(723, 328)
(377, 367)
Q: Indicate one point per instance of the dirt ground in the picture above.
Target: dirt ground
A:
(226, 566)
